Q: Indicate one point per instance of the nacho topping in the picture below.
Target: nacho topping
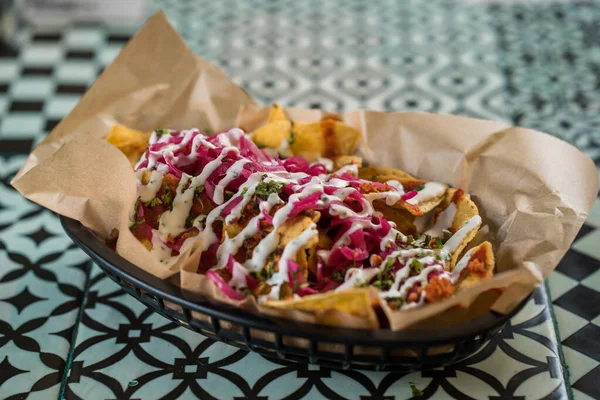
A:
(282, 229)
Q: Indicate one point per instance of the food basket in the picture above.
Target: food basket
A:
(335, 348)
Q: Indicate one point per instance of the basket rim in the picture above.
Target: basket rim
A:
(109, 260)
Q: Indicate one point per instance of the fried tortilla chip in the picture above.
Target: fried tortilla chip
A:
(277, 114)
(340, 138)
(404, 220)
(379, 174)
(475, 266)
(356, 302)
(341, 161)
(131, 142)
(307, 140)
(291, 230)
(272, 135)
(453, 214)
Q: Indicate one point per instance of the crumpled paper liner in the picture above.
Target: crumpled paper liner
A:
(533, 190)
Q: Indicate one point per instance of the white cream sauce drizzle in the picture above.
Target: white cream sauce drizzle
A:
(148, 192)
(430, 191)
(460, 266)
(443, 222)
(232, 173)
(452, 244)
(358, 277)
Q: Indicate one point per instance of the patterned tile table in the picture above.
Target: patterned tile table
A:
(67, 331)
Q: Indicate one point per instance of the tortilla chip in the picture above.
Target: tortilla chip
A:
(379, 174)
(481, 266)
(277, 114)
(403, 219)
(291, 230)
(131, 142)
(341, 161)
(346, 138)
(465, 210)
(357, 302)
(307, 140)
(272, 135)
(422, 207)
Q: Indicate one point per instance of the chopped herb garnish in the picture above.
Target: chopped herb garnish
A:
(244, 190)
(417, 266)
(438, 243)
(427, 240)
(220, 218)
(189, 221)
(338, 276)
(292, 137)
(446, 234)
(418, 188)
(388, 245)
(396, 302)
(136, 223)
(167, 197)
(154, 202)
(161, 131)
(415, 392)
(264, 189)
(410, 239)
(261, 146)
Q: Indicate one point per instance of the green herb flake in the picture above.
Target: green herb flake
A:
(418, 188)
(292, 137)
(410, 239)
(167, 197)
(244, 190)
(189, 221)
(136, 223)
(415, 392)
(338, 276)
(438, 243)
(154, 202)
(162, 131)
(220, 218)
(396, 302)
(446, 234)
(417, 266)
(264, 189)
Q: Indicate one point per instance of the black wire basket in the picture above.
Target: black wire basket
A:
(335, 348)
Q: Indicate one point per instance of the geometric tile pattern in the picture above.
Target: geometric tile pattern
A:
(68, 331)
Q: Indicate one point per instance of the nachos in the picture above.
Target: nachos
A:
(287, 214)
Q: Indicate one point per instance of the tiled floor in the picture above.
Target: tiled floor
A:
(535, 64)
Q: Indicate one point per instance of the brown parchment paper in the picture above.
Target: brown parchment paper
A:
(533, 191)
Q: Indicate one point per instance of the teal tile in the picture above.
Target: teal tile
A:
(568, 323)
(14, 125)
(9, 69)
(42, 55)
(579, 364)
(589, 244)
(60, 106)
(560, 284)
(108, 53)
(594, 216)
(81, 72)
(32, 88)
(84, 38)
(592, 281)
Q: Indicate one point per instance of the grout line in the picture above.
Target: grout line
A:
(69, 360)
(563, 361)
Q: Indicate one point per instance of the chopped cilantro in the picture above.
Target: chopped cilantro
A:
(167, 197)
(264, 189)
(189, 221)
(410, 239)
(161, 131)
(396, 302)
(388, 245)
(220, 218)
(438, 243)
(446, 234)
(417, 266)
(154, 202)
(418, 188)
(415, 392)
(136, 223)
(427, 240)
(137, 204)
(338, 276)
(244, 190)
(292, 137)
(261, 146)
